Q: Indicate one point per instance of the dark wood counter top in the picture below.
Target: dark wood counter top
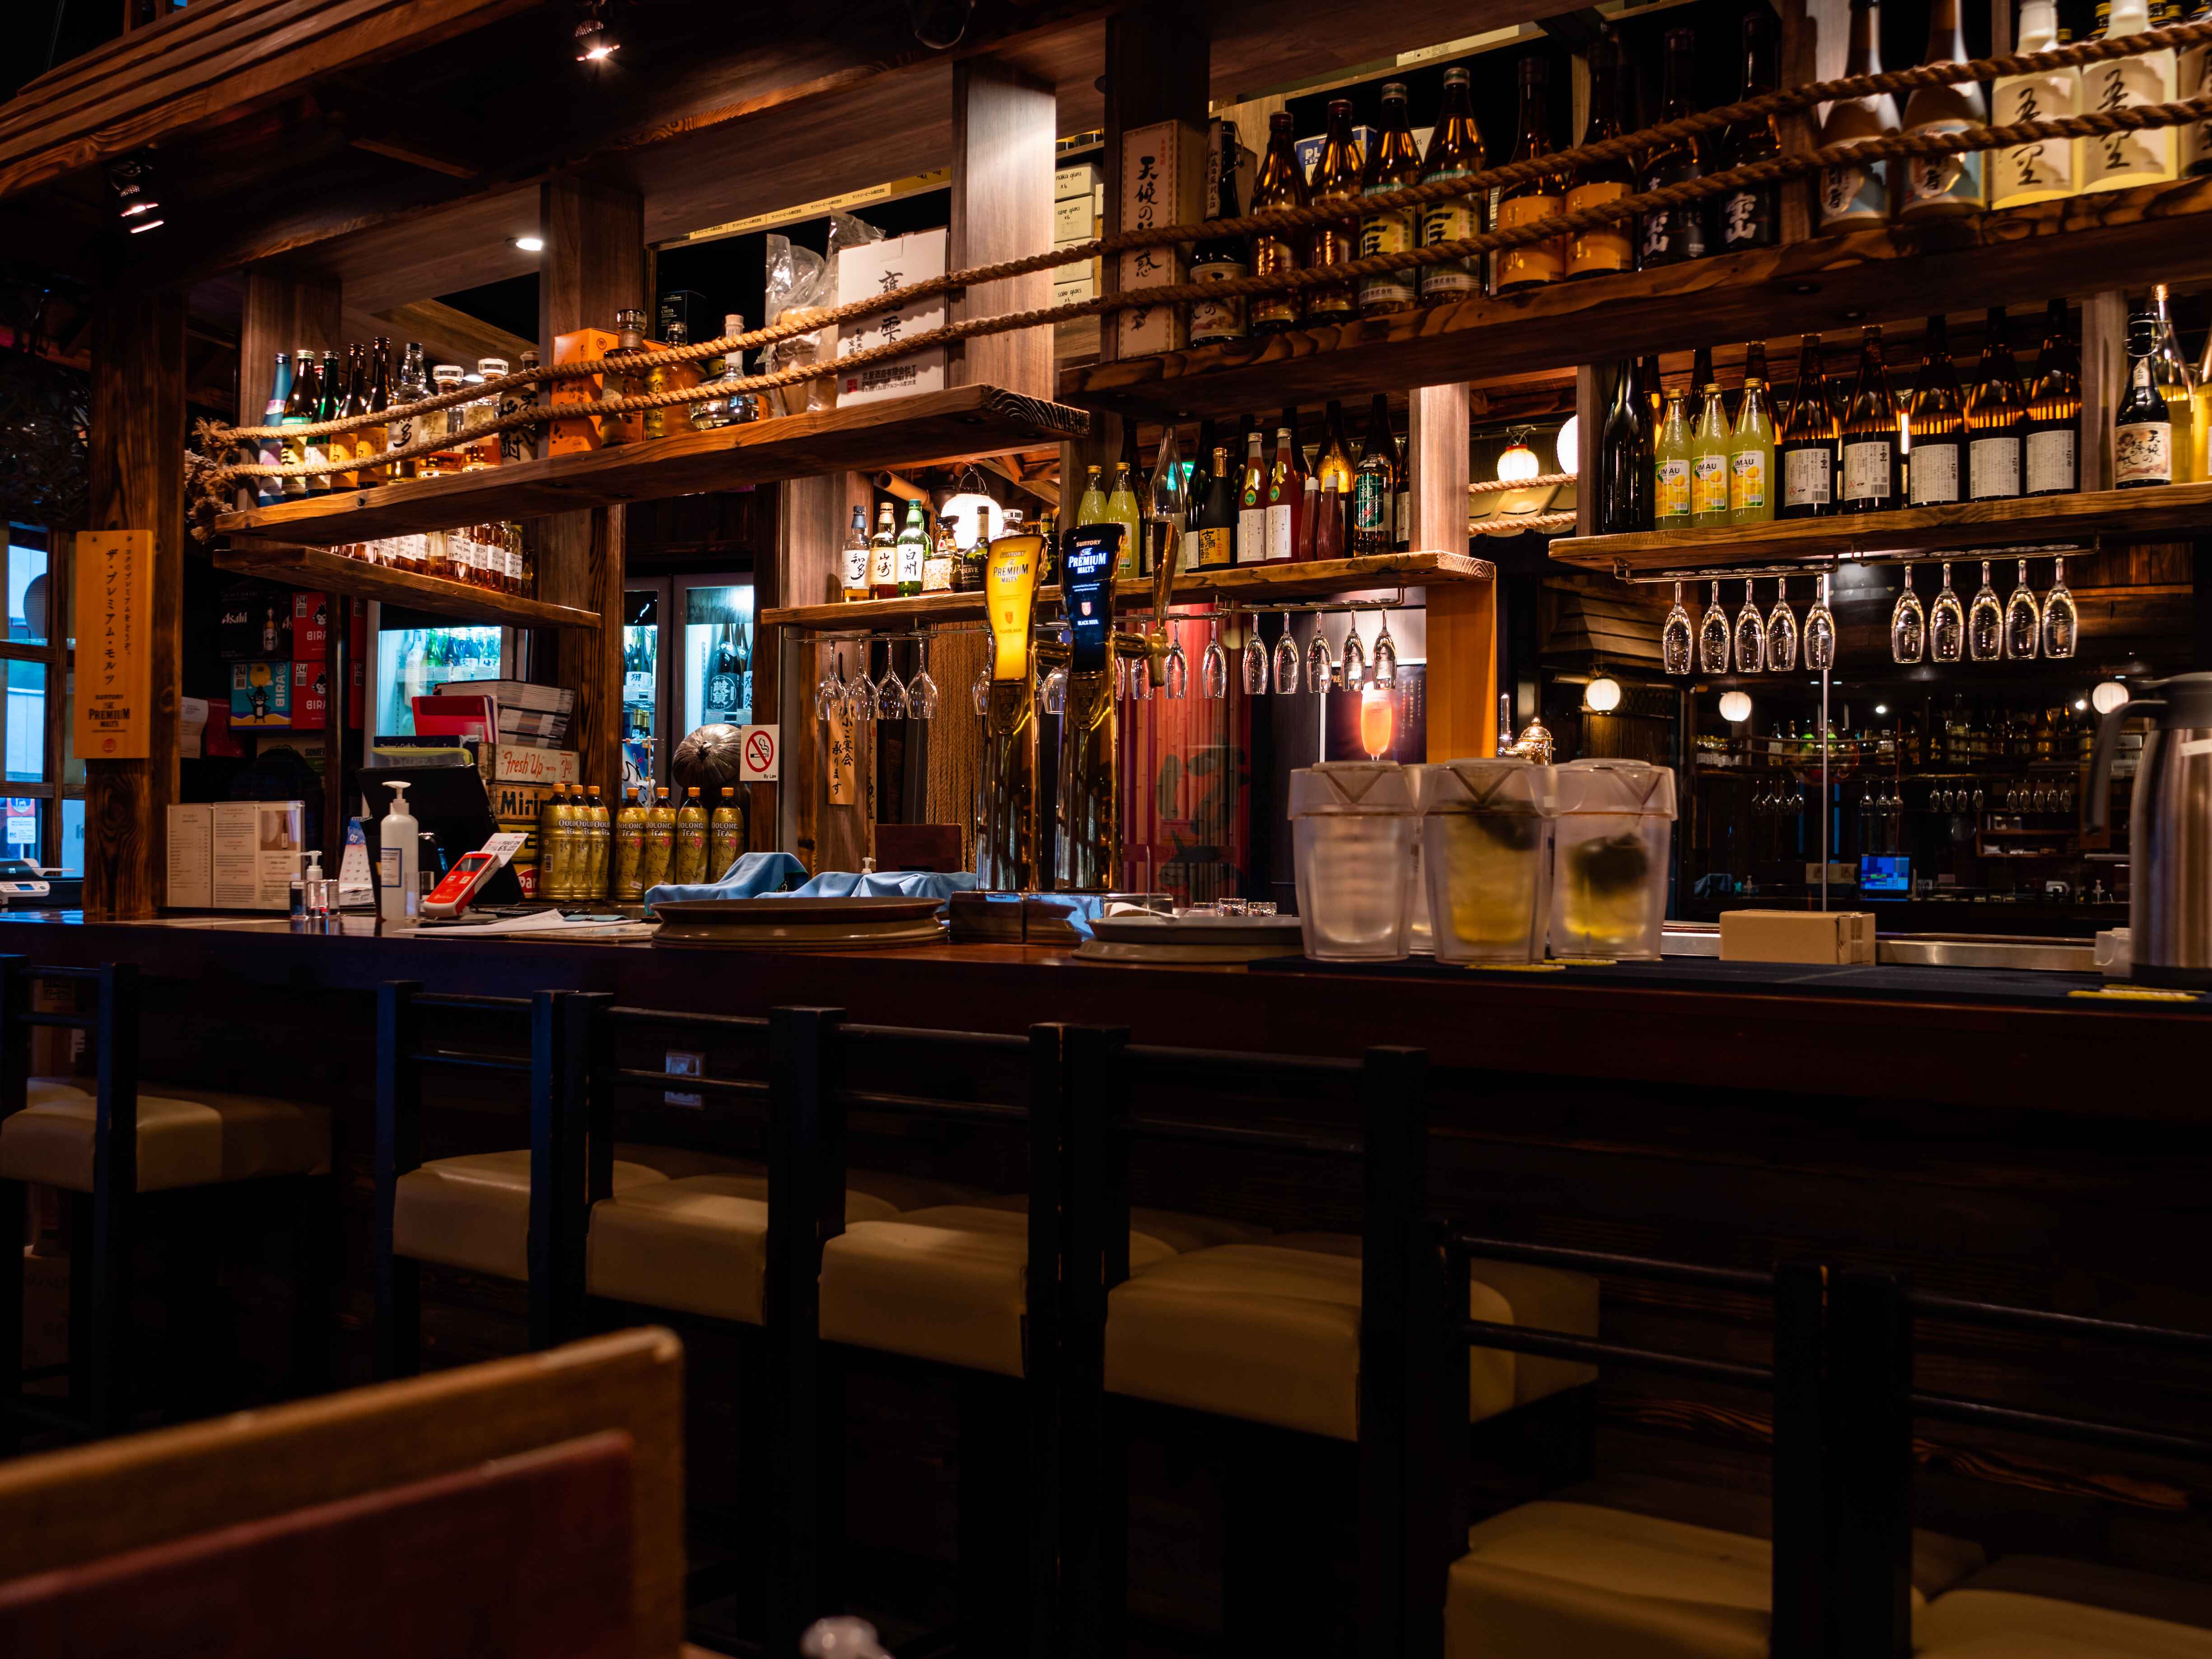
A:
(2094, 1058)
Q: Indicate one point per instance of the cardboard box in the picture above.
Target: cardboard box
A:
(260, 694)
(572, 435)
(1814, 936)
(1074, 220)
(1075, 179)
(255, 621)
(311, 696)
(874, 267)
(310, 627)
(233, 855)
(1071, 290)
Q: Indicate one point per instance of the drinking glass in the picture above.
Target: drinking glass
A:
(829, 689)
(1781, 632)
(980, 693)
(1386, 657)
(890, 690)
(1713, 636)
(1378, 712)
(1177, 673)
(1946, 624)
(1321, 666)
(1286, 660)
(1140, 679)
(1750, 634)
(1214, 671)
(860, 693)
(1255, 659)
(922, 691)
(1820, 632)
(2023, 620)
(1120, 676)
(1985, 621)
(2059, 620)
(1677, 644)
(1908, 625)
(1355, 655)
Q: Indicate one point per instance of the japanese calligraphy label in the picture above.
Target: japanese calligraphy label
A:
(869, 271)
(114, 644)
(1154, 161)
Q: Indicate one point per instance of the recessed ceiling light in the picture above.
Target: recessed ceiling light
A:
(530, 244)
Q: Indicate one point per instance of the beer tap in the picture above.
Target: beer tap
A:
(1534, 742)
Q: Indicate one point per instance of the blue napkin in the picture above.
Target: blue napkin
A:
(762, 875)
(752, 876)
(887, 883)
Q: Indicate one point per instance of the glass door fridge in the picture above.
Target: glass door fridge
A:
(687, 662)
(645, 682)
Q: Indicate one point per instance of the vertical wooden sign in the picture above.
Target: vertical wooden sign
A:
(114, 644)
(1153, 184)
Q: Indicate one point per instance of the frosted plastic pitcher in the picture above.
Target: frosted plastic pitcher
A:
(1351, 829)
(1609, 859)
(1487, 850)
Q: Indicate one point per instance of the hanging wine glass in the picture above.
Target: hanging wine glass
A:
(890, 690)
(2023, 620)
(829, 689)
(1677, 641)
(1255, 659)
(1178, 672)
(1386, 657)
(1053, 695)
(1354, 667)
(1140, 679)
(922, 691)
(1781, 632)
(860, 692)
(1985, 621)
(1286, 660)
(1213, 671)
(1908, 625)
(1820, 632)
(980, 693)
(1120, 676)
(1713, 636)
(2059, 620)
(1946, 624)
(1321, 666)
(1750, 634)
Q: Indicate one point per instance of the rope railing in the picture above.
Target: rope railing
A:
(213, 476)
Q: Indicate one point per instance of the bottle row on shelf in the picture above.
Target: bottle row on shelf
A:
(498, 557)
(1958, 738)
(586, 853)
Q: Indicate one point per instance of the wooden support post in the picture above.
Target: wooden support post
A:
(1436, 443)
(811, 515)
(2104, 374)
(138, 483)
(1156, 70)
(1591, 386)
(594, 267)
(1002, 168)
(1463, 616)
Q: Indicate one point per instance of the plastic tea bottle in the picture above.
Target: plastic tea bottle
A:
(1709, 462)
(398, 859)
(1670, 494)
(629, 851)
(1751, 458)
(660, 841)
(690, 867)
(726, 831)
(598, 845)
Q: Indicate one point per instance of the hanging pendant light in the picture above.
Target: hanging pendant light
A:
(1519, 461)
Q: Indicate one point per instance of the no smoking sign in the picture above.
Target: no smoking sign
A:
(761, 752)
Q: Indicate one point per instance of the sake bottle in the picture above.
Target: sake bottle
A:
(691, 866)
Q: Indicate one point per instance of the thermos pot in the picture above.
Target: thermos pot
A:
(2169, 829)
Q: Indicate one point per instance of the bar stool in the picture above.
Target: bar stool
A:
(125, 1158)
(2020, 1606)
(1300, 1340)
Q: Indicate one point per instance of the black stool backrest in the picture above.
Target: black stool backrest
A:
(113, 1027)
(1875, 1315)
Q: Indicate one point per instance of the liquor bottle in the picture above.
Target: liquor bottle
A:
(372, 440)
(519, 443)
(1374, 483)
(1395, 165)
(1805, 444)
(726, 836)
(2119, 160)
(883, 550)
(1671, 454)
(1946, 624)
(1091, 507)
(346, 402)
(735, 408)
(1166, 511)
(2170, 373)
(854, 586)
(1751, 216)
(1625, 457)
(323, 395)
(1195, 489)
(1401, 503)
(1532, 265)
(629, 851)
(1219, 259)
(269, 452)
(1714, 636)
(911, 548)
(2048, 167)
(944, 556)
(1454, 152)
(2193, 79)
(1286, 489)
(1217, 519)
(1122, 509)
(1604, 249)
(690, 864)
(2143, 427)
(1335, 241)
(1873, 469)
(665, 376)
(1332, 532)
(1996, 418)
(1853, 195)
(485, 451)
(1281, 183)
(2053, 448)
(300, 403)
(620, 382)
(413, 387)
(726, 675)
(444, 461)
(1944, 186)
(658, 856)
(1252, 503)
(1933, 472)
(1709, 460)
(1751, 449)
(1670, 235)
(1986, 623)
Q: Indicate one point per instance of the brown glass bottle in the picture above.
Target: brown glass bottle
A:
(1533, 263)
(1873, 464)
(1936, 465)
(1996, 419)
(1805, 441)
(2053, 448)
(1454, 152)
(1750, 215)
(1672, 234)
(1395, 165)
(1335, 242)
(1602, 250)
(1281, 183)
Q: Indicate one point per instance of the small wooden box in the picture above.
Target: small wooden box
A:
(570, 436)
(1841, 937)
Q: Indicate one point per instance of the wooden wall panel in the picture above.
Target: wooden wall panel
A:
(138, 483)
(284, 311)
(1002, 169)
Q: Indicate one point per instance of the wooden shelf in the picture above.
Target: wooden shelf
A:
(326, 572)
(1255, 586)
(2022, 255)
(1967, 525)
(930, 427)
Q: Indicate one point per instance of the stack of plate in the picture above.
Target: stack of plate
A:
(798, 924)
(1201, 941)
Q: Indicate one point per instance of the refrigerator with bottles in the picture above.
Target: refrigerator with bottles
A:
(687, 662)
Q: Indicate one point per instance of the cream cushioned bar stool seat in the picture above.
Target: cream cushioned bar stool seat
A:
(1270, 1333)
(186, 1137)
(951, 1282)
(2033, 1607)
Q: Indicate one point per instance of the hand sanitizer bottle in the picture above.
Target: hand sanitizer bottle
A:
(318, 887)
(399, 861)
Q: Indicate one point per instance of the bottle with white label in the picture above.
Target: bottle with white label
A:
(1944, 186)
(1252, 504)
(1853, 195)
(1872, 465)
(2142, 430)
(854, 587)
(1932, 467)
(1286, 489)
(2193, 79)
(2050, 167)
(2120, 160)
(398, 861)
(2053, 448)
(1996, 418)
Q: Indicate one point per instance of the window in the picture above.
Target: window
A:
(43, 780)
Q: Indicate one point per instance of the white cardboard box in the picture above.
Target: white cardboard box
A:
(1075, 179)
(875, 268)
(233, 855)
(1073, 221)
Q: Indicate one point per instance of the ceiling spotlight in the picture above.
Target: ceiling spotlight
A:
(530, 244)
(1735, 706)
(595, 33)
(1882, 708)
(2108, 696)
(1602, 694)
(132, 182)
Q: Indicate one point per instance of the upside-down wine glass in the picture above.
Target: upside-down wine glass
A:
(1321, 666)
(1677, 640)
(1286, 660)
(922, 691)
(829, 689)
(1355, 654)
(1213, 668)
(1254, 657)
(1750, 634)
(1386, 658)
(1908, 624)
(1820, 632)
(1781, 632)
(890, 690)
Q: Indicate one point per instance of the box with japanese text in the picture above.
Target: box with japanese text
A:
(878, 268)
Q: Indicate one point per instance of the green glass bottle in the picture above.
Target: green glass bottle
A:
(1709, 462)
(1670, 494)
(913, 548)
(1751, 456)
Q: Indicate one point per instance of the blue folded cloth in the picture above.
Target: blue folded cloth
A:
(753, 875)
(887, 883)
(762, 875)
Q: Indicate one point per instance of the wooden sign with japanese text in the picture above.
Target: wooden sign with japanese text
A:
(114, 644)
(1155, 160)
